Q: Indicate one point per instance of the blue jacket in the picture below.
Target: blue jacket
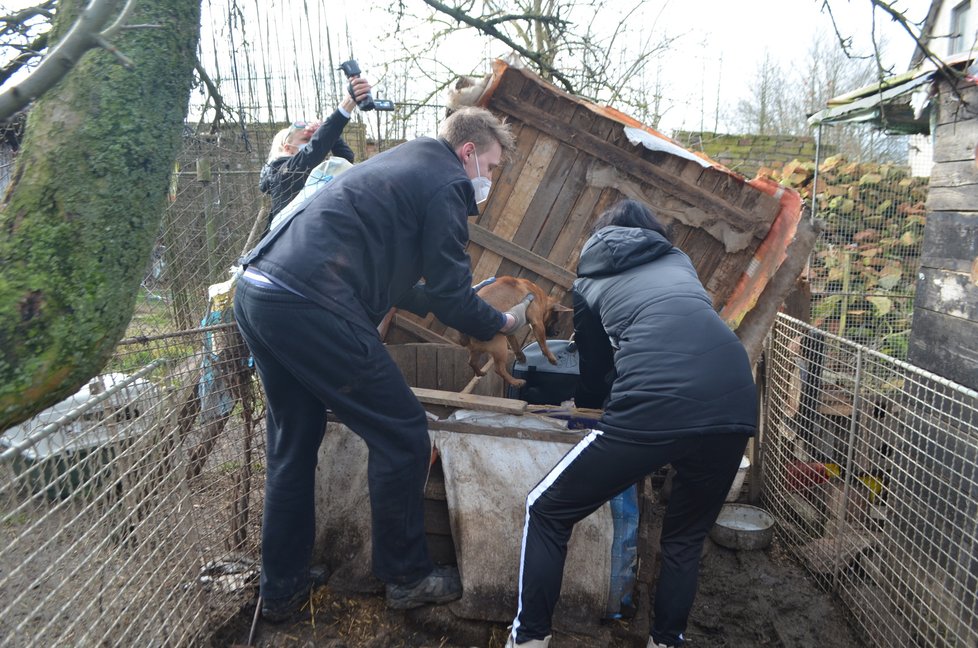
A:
(653, 351)
(360, 245)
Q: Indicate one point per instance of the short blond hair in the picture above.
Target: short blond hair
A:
(479, 126)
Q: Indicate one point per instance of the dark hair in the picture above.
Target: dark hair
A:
(631, 213)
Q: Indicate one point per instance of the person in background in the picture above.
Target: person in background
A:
(298, 149)
(676, 387)
(308, 304)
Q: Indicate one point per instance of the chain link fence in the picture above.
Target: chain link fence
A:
(132, 511)
(871, 468)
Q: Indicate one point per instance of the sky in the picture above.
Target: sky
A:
(717, 47)
(715, 53)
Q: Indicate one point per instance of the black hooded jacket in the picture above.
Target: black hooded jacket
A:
(653, 351)
(359, 246)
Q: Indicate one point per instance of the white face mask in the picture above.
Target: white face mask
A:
(481, 184)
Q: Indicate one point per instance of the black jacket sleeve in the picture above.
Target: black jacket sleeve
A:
(283, 178)
(343, 150)
(595, 356)
(447, 269)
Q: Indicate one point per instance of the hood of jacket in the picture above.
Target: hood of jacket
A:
(614, 249)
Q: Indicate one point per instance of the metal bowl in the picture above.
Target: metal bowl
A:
(740, 526)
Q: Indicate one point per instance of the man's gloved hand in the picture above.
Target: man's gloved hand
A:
(516, 316)
(482, 284)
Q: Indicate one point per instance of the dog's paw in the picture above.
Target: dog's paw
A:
(516, 382)
(551, 359)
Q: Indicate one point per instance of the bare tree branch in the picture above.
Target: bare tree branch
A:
(539, 18)
(30, 53)
(899, 18)
(79, 39)
(16, 21)
(490, 30)
(215, 94)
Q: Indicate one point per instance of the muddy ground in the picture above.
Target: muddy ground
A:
(746, 599)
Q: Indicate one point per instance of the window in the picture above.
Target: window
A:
(959, 26)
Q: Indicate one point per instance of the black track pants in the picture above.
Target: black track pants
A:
(309, 359)
(594, 471)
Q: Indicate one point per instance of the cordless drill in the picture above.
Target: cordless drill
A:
(352, 71)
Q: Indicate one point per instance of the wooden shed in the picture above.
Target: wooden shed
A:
(945, 315)
(574, 159)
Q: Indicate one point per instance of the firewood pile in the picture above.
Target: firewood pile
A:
(864, 267)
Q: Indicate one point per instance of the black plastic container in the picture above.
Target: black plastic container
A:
(547, 384)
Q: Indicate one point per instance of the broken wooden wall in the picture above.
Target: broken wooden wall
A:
(572, 161)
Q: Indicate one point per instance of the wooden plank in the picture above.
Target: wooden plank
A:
(449, 362)
(538, 264)
(954, 174)
(956, 142)
(642, 170)
(726, 274)
(515, 208)
(469, 401)
(950, 109)
(951, 293)
(671, 209)
(411, 324)
(570, 437)
(945, 345)
(405, 356)
(570, 193)
(552, 186)
(958, 199)
(510, 172)
(950, 241)
(427, 369)
(606, 199)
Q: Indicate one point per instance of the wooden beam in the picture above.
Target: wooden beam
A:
(405, 322)
(470, 401)
(758, 219)
(521, 256)
(570, 437)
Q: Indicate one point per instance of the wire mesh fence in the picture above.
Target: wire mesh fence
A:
(863, 270)
(132, 511)
(871, 467)
(134, 518)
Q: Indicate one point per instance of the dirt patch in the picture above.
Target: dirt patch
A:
(746, 599)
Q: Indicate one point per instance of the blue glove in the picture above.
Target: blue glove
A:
(483, 284)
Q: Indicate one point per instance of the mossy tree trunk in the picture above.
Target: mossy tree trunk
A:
(78, 223)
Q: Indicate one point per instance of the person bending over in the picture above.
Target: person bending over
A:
(676, 387)
(308, 304)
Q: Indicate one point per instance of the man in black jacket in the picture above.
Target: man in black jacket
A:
(308, 305)
(676, 387)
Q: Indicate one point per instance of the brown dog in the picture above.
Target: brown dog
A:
(503, 294)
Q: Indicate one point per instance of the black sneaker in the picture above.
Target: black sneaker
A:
(295, 608)
(442, 585)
